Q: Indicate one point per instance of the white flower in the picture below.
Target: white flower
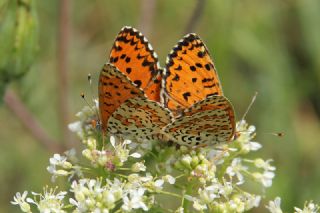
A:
(309, 207)
(20, 200)
(93, 195)
(265, 178)
(252, 146)
(75, 127)
(274, 206)
(198, 205)
(219, 155)
(226, 189)
(116, 187)
(122, 154)
(59, 160)
(236, 205)
(137, 167)
(251, 201)
(76, 171)
(245, 137)
(84, 125)
(49, 201)
(158, 184)
(135, 155)
(260, 163)
(101, 157)
(154, 186)
(127, 141)
(179, 210)
(235, 169)
(208, 194)
(142, 148)
(71, 154)
(96, 157)
(121, 151)
(169, 179)
(134, 201)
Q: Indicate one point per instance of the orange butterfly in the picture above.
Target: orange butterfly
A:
(129, 93)
(191, 88)
(124, 109)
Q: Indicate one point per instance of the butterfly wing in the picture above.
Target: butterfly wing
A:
(133, 55)
(207, 122)
(139, 118)
(190, 75)
(114, 89)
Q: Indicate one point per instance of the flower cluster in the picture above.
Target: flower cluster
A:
(309, 207)
(94, 195)
(48, 201)
(115, 175)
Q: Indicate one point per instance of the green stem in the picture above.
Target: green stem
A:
(123, 169)
(169, 193)
(180, 176)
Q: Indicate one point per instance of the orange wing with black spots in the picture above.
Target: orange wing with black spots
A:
(190, 75)
(114, 89)
(133, 55)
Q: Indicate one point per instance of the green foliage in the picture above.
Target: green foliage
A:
(18, 39)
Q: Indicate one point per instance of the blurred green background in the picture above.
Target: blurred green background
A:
(271, 47)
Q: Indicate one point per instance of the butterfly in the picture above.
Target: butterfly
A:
(125, 109)
(191, 88)
(183, 102)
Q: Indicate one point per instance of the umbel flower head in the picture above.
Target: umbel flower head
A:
(120, 175)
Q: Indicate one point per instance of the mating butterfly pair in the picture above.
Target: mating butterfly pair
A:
(183, 103)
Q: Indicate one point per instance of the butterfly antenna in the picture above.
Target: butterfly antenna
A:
(90, 84)
(250, 105)
(85, 100)
(278, 134)
(92, 96)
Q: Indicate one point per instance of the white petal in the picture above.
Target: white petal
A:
(136, 155)
(113, 141)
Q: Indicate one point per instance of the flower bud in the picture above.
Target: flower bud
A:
(186, 161)
(194, 161)
(102, 160)
(25, 207)
(61, 172)
(259, 162)
(92, 143)
(178, 165)
(87, 154)
(67, 165)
